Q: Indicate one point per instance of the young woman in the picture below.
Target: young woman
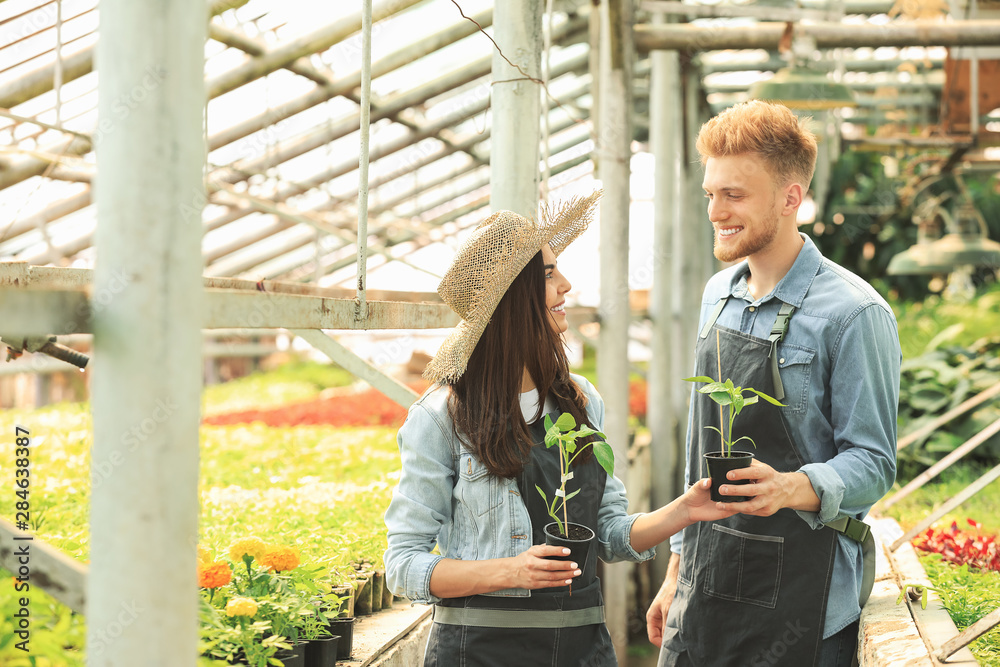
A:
(471, 460)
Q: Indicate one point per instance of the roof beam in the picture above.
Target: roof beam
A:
(687, 37)
(41, 80)
(285, 54)
(346, 84)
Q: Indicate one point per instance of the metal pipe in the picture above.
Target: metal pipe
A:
(665, 127)
(366, 90)
(144, 500)
(516, 105)
(614, 154)
(686, 37)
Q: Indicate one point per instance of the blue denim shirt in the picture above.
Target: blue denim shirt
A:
(839, 364)
(448, 498)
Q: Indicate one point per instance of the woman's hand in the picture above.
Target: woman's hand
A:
(700, 506)
(535, 569)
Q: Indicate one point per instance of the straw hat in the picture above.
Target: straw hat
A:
(487, 264)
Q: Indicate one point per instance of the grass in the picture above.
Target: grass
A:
(296, 381)
(968, 596)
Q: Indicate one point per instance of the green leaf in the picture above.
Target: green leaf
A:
(699, 378)
(767, 398)
(605, 456)
(585, 431)
(711, 387)
(569, 444)
(738, 402)
(729, 384)
(542, 493)
(566, 422)
(749, 400)
(548, 423)
(745, 437)
(572, 494)
(722, 398)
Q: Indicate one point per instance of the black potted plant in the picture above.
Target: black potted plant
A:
(726, 394)
(563, 434)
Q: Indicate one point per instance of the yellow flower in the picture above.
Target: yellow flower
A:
(214, 575)
(241, 607)
(204, 555)
(250, 546)
(280, 558)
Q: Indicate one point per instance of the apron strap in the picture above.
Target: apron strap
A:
(778, 331)
(518, 618)
(713, 317)
(860, 532)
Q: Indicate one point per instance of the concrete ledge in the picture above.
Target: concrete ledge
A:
(393, 637)
(893, 634)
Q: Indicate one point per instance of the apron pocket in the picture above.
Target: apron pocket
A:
(744, 567)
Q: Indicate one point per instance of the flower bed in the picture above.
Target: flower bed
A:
(363, 408)
(319, 490)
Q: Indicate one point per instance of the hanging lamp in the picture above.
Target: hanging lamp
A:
(965, 243)
(799, 86)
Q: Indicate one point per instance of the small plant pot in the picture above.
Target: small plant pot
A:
(718, 465)
(293, 658)
(377, 584)
(386, 594)
(346, 595)
(580, 543)
(343, 628)
(322, 652)
(363, 597)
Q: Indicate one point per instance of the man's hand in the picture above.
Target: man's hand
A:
(656, 617)
(771, 491)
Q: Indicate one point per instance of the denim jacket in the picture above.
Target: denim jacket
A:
(839, 364)
(448, 498)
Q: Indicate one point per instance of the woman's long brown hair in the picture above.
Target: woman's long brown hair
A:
(484, 405)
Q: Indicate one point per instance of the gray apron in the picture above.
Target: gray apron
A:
(750, 590)
(468, 631)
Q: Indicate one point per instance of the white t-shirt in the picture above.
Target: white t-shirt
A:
(529, 405)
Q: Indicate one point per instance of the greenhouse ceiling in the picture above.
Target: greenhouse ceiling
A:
(282, 118)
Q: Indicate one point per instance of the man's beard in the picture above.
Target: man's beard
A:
(755, 237)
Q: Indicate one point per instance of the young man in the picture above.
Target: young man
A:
(777, 584)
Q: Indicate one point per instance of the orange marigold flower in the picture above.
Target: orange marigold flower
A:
(251, 546)
(241, 607)
(214, 575)
(280, 558)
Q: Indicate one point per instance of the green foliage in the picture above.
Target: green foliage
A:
(296, 381)
(57, 634)
(937, 381)
(968, 596)
(984, 506)
(934, 322)
(728, 395)
(564, 434)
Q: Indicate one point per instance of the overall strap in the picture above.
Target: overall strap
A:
(778, 331)
(860, 532)
(713, 317)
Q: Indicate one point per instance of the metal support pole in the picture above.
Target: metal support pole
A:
(142, 600)
(516, 106)
(614, 140)
(665, 126)
(366, 90)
